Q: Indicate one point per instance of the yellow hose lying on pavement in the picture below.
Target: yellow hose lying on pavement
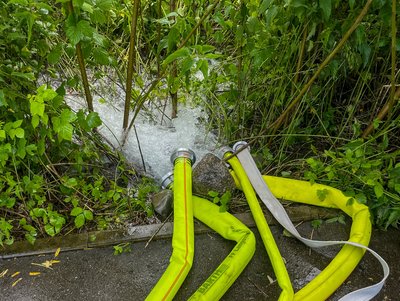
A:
(322, 286)
(266, 235)
(325, 283)
(229, 227)
(183, 237)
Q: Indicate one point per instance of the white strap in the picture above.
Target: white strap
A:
(277, 210)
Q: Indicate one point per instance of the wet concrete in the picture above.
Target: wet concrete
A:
(97, 274)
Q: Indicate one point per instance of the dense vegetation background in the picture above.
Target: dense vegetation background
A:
(311, 84)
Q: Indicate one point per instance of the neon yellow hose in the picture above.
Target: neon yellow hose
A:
(183, 238)
(322, 286)
(229, 227)
(266, 235)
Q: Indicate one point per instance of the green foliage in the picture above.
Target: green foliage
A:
(5, 232)
(122, 248)
(222, 200)
(367, 172)
(81, 216)
(53, 176)
(243, 65)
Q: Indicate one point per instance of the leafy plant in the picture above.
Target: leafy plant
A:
(367, 172)
(122, 248)
(223, 200)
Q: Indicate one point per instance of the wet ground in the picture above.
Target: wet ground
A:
(97, 274)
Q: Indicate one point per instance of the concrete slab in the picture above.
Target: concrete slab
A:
(97, 274)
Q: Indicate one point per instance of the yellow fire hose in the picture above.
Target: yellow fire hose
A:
(320, 288)
(183, 237)
(266, 235)
(324, 284)
(223, 223)
(229, 227)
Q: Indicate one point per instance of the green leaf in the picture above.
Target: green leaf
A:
(326, 7)
(3, 102)
(180, 53)
(49, 229)
(62, 126)
(93, 120)
(38, 212)
(76, 33)
(79, 220)
(88, 215)
(67, 116)
(225, 198)
(7, 202)
(35, 120)
(378, 189)
(187, 64)
(101, 56)
(71, 182)
(21, 2)
(20, 133)
(212, 193)
(36, 108)
(30, 149)
(223, 208)
(30, 238)
(322, 194)
(2, 134)
(78, 3)
(55, 54)
(393, 218)
(21, 151)
(316, 223)
(76, 211)
(46, 94)
(203, 66)
(361, 198)
(87, 7)
(98, 16)
(263, 6)
(11, 133)
(27, 76)
(105, 5)
(17, 124)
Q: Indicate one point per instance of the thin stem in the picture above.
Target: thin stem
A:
(82, 67)
(131, 63)
(173, 73)
(381, 115)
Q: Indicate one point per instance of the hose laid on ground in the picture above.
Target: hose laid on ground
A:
(323, 285)
(266, 235)
(183, 237)
(229, 227)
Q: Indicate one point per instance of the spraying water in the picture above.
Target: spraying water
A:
(157, 134)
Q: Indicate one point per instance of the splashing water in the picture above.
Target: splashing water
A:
(157, 135)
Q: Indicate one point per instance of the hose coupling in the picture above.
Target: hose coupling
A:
(167, 180)
(222, 151)
(240, 145)
(183, 153)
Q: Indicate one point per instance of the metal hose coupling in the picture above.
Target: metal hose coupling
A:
(167, 180)
(240, 145)
(222, 151)
(183, 153)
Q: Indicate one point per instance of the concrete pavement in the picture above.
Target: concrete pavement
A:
(97, 274)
